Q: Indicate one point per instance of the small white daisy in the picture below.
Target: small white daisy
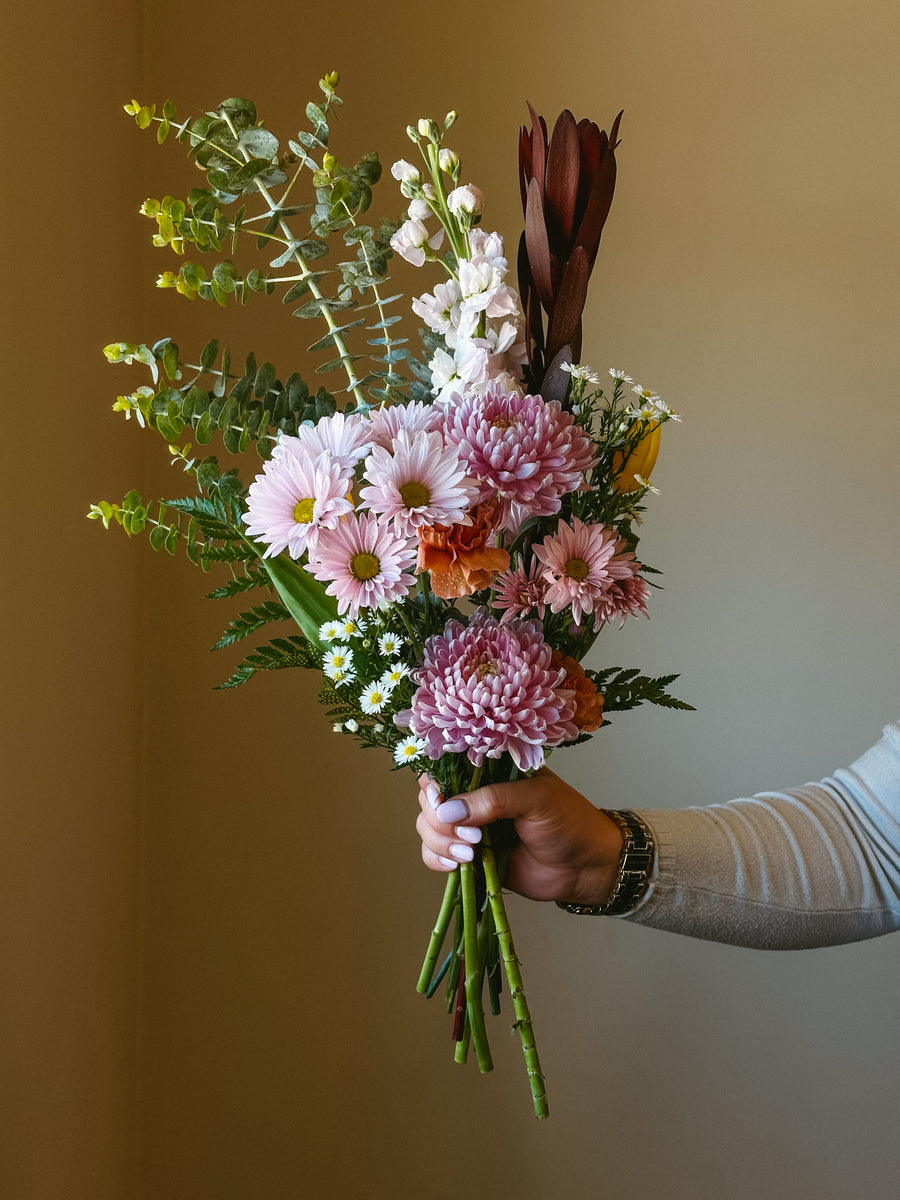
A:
(330, 631)
(392, 676)
(646, 394)
(349, 629)
(583, 373)
(342, 676)
(373, 698)
(620, 375)
(409, 749)
(645, 483)
(390, 644)
(338, 662)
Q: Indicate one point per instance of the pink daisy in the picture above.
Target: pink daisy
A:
(520, 593)
(520, 448)
(420, 482)
(581, 563)
(626, 598)
(293, 499)
(365, 563)
(385, 423)
(485, 689)
(344, 438)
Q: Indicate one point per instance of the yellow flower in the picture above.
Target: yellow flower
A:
(640, 461)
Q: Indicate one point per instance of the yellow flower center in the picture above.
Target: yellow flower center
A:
(502, 423)
(577, 569)
(415, 495)
(486, 668)
(303, 512)
(364, 566)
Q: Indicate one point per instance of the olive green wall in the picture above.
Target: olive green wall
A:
(209, 954)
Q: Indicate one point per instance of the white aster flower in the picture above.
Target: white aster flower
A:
(645, 483)
(338, 662)
(583, 373)
(350, 628)
(390, 644)
(620, 375)
(330, 631)
(394, 674)
(409, 749)
(373, 698)
(648, 396)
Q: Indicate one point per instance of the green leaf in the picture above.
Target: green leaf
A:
(304, 597)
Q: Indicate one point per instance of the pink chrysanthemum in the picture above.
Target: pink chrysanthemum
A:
(386, 422)
(344, 438)
(581, 563)
(520, 592)
(521, 448)
(293, 499)
(366, 564)
(420, 482)
(626, 598)
(487, 688)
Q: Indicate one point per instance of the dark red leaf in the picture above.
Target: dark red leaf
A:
(561, 186)
(598, 206)
(536, 245)
(565, 321)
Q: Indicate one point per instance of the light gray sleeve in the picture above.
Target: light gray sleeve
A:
(811, 866)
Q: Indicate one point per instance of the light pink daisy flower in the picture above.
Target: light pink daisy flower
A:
(520, 592)
(345, 438)
(385, 423)
(520, 448)
(485, 689)
(420, 482)
(366, 564)
(626, 598)
(293, 499)
(581, 563)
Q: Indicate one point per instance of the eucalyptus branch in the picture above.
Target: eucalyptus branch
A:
(308, 277)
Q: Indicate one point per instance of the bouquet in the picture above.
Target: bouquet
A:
(448, 542)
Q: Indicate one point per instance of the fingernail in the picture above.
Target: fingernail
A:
(462, 853)
(452, 810)
(447, 862)
(468, 833)
(433, 792)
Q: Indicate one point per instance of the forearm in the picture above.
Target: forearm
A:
(813, 866)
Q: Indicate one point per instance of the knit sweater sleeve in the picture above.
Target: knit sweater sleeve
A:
(811, 866)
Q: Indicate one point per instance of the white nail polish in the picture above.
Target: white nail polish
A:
(433, 793)
(468, 833)
(462, 853)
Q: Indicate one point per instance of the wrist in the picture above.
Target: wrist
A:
(627, 856)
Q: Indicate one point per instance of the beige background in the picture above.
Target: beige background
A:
(213, 910)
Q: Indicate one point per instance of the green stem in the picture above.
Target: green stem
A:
(474, 974)
(451, 895)
(514, 976)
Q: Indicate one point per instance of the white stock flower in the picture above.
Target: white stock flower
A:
(411, 239)
(466, 199)
(405, 172)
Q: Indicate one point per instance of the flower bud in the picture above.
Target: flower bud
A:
(448, 161)
(429, 129)
(450, 118)
(640, 462)
(468, 199)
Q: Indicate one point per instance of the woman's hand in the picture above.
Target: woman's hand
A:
(567, 849)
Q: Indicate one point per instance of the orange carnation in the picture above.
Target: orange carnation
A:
(588, 715)
(458, 556)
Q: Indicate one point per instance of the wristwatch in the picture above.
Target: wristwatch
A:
(633, 875)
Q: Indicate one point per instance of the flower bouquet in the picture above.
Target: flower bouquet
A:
(448, 543)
